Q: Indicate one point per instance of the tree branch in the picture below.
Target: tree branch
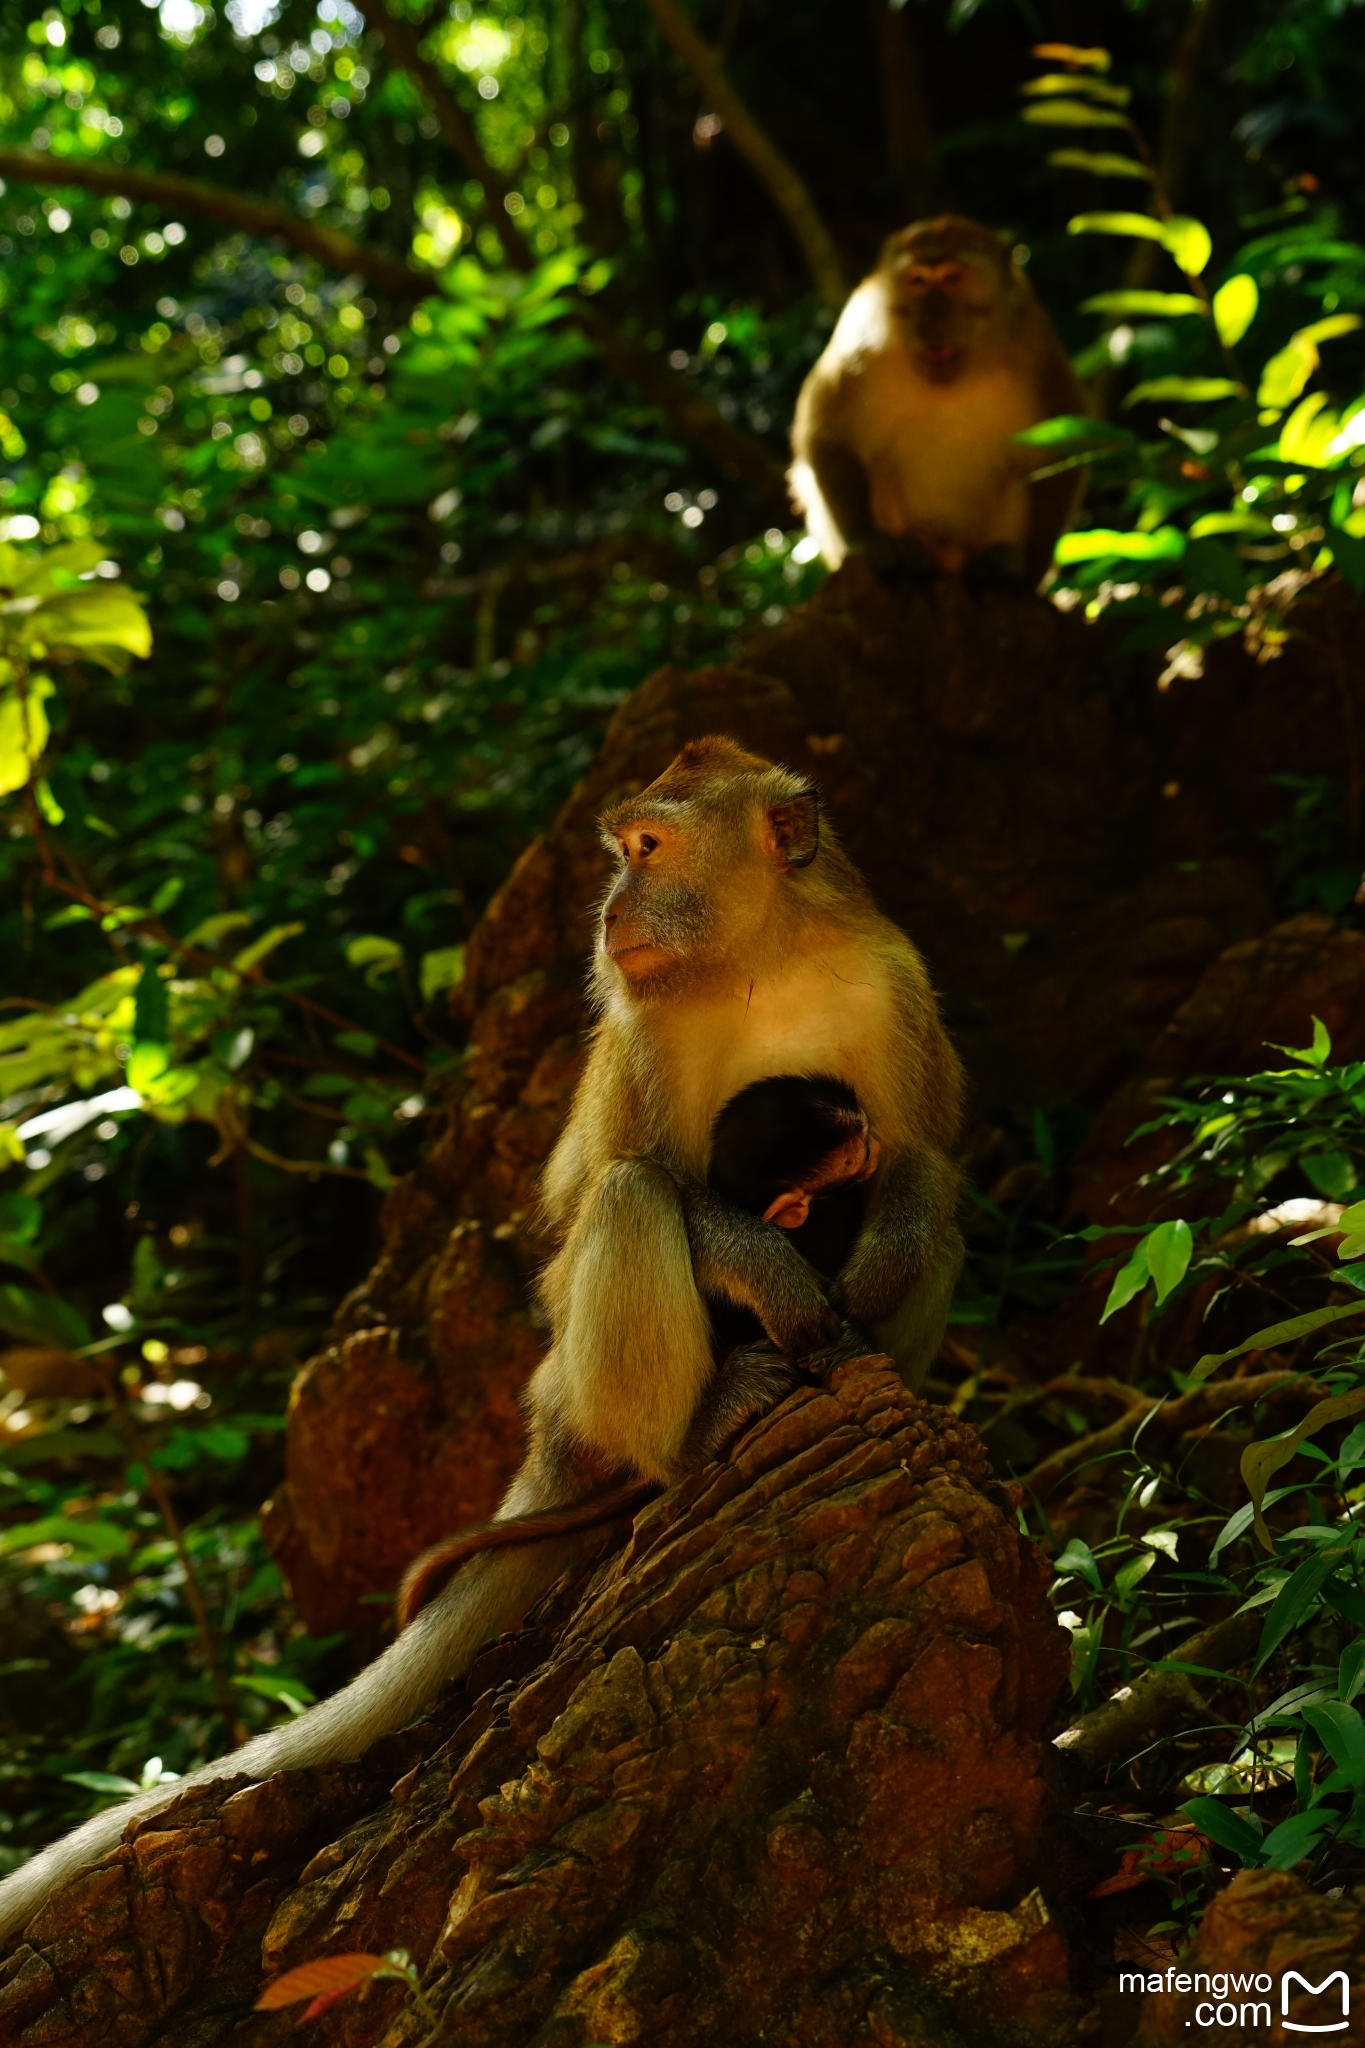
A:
(785, 184)
(233, 209)
(1158, 1701)
(741, 455)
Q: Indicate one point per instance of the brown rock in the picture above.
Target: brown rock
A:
(1266, 1924)
(770, 1772)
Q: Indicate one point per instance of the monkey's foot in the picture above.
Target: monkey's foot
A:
(752, 1380)
(855, 1341)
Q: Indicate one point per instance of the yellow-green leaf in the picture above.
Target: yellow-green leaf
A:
(1185, 390)
(95, 617)
(1167, 544)
(1309, 432)
(1330, 328)
(1209, 524)
(1099, 163)
(1055, 82)
(1072, 114)
(1189, 241)
(259, 949)
(24, 732)
(1234, 308)
(1144, 225)
(1168, 305)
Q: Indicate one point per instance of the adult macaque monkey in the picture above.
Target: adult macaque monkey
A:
(903, 436)
(738, 943)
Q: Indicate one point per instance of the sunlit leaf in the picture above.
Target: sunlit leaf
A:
(1308, 433)
(1144, 225)
(441, 969)
(1169, 305)
(260, 949)
(1207, 524)
(1167, 544)
(24, 731)
(377, 955)
(1184, 391)
(1091, 89)
(1234, 308)
(1189, 242)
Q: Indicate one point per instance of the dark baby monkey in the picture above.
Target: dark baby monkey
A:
(796, 1151)
(903, 441)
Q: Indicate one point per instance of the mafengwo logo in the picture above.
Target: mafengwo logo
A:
(1248, 2000)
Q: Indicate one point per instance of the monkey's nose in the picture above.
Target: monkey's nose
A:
(609, 917)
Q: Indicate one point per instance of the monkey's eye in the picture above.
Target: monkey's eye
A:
(647, 843)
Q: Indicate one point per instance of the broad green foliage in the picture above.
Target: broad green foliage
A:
(1247, 489)
(1241, 1139)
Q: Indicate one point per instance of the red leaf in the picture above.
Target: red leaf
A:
(328, 1998)
(334, 1973)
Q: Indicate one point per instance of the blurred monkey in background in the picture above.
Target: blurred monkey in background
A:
(903, 442)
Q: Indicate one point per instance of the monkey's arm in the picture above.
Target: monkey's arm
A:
(751, 1262)
(908, 1233)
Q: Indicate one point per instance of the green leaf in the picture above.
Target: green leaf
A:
(1260, 1461)
(1234, 308)
(1100, 164)
(1294, 1838)
(101, 1781)
(210, 930)
(1168, 305)
(41, 1318)
(378, 956)
(1295, 1600)
(1071, 114)
(21, 1218)
(1167, 544)
(1225, 1827)
(1145, 225)
(260, 949)
(441, 969)
(1169, 1250)
(146, 1065)
(1128, 1281)
(104, 620)
(1056, 84)
(24, 732)
(1228, 522)
(1130, 1576)
(90, 1539)
(152, 1014)
(1274, 1335)
(1078, 1560)
(1067, 428)
(1341, 1729)
(1184, 390)
(1189, 242)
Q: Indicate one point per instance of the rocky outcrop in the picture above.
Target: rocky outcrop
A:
(772, 1771)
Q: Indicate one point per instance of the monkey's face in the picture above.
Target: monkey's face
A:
(946, 297)
(656, 919)
(699, 887)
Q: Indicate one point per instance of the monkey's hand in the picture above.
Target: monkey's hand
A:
(908, 1225)
(751, 1262)
(752, 1381)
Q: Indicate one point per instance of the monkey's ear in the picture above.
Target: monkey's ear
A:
(794, 828)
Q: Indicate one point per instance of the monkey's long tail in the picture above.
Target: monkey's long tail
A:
(490, 1595)
(425, 1577)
